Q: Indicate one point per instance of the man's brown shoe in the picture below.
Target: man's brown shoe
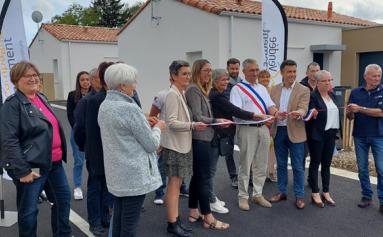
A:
(300, 203)
(243, 204)
(278, 197)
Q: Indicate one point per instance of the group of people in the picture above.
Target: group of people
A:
(194, 122)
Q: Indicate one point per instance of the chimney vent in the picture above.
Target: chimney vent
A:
(329, 10)
(239, 2)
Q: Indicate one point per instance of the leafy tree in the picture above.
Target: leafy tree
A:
(107, 13)
(71, 16)
(90, 17)
(112, 12)
(133, 9)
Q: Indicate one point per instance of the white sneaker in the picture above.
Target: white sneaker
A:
(77, 194)
(220, 202)
(158, 201)
(216, 207)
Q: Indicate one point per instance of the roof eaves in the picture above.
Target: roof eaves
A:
(240, 14)
(90, 41)
(367, 27)
(251, 14)
(324, 23)
(295, 20)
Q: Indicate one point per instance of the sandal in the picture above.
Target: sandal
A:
(193, 219)
(216, 225)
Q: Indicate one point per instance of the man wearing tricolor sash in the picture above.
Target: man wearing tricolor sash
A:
(253, 138)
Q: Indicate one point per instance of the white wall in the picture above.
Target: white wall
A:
(83, 57)
(247, 43)
(44, 49)
(151, 48)
(302, 36)
(72, 57)
(182, 28)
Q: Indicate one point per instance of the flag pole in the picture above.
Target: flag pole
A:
(7, 218)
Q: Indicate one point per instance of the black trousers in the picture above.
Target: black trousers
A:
(230, 163)
(321, 153)
(126, 215)
(200, 183)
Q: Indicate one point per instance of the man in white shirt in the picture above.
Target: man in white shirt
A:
(253, 139)
(292, 99)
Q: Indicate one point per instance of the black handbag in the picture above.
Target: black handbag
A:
(225, 146)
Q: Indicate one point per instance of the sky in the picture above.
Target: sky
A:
(365, 9)
(50, 8)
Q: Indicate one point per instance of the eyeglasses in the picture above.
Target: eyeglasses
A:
(329, 80)
(186, 74)
(30, 76)
(207, 70)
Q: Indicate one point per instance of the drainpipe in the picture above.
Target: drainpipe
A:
(231, 29)
(70, 69)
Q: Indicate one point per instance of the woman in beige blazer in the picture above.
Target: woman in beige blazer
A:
(177, 142)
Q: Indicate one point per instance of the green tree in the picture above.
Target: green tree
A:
(90, 17)
(71, 16)
(107, 13)
(111, 12)
(133, 9)
(78, 15)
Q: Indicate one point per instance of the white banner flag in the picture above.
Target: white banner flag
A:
(274, 38)
(13, 44)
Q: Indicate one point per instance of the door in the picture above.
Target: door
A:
(57, 82)
(366, 59)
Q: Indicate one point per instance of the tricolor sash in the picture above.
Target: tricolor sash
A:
(309, 115)
(254, 96)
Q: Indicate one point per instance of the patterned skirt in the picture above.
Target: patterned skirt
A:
(177, 164)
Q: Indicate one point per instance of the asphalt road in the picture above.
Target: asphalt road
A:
(346, 219)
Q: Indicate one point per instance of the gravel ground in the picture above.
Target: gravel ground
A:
(346, 160)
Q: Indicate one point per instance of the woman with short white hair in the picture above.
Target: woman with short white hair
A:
(129, 145)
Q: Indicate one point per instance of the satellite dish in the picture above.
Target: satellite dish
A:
(37, 16)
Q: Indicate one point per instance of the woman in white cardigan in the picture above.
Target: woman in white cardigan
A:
(176, 141)
(129, 146)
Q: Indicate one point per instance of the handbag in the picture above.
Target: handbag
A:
(225, 146)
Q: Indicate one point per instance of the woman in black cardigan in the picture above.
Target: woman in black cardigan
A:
(222, 108)
(321, 135)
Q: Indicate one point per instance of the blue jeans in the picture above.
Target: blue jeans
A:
(55, 184)
(126, 215)
(214, 156)
(282, 146)
(79, 158)
(110, 232)
(99, 201)
(161, 166)
(362, 146)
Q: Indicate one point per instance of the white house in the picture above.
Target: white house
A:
(164, 30)
(65, 50)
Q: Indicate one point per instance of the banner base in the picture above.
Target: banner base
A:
(10, 218)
